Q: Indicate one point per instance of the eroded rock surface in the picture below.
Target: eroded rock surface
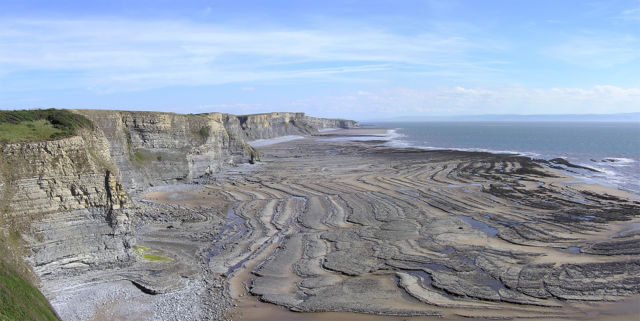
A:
(152, 148)
(66, 200)
(66, 208)
(317, 226)
(409, 232)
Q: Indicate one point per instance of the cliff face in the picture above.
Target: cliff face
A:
(322, 123)
(65, 199)
(262, 126)
(152, 148)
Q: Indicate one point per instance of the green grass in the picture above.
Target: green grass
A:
(28, 131)
(138, 157)
(152, 255)
(19, 299)
(143, 157)
(39, 124)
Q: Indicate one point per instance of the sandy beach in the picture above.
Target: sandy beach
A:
(327, 229)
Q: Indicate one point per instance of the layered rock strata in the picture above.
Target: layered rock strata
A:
(66, 200)
(152, 148)
(162, 148)
(409, 232)
(320, 226)
(270, 125)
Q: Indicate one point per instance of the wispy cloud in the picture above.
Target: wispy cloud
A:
(632, 14)
(596, 51)
(457, 63)
(112, 55)
(467, 101)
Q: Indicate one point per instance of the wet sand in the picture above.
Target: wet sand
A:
(348, 230)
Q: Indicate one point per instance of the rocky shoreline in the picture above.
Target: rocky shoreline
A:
(337, 227)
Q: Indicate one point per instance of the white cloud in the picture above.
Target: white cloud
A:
(470, 101)
(596, 51)
(119, 55)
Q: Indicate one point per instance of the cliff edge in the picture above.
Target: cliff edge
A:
(66, 178)
(153, 148)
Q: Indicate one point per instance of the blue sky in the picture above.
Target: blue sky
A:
(353, 59)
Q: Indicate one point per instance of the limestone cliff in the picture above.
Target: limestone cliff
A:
(67, 199)
(153, 148)
(64, 198)
(323, 123)
(261, 126)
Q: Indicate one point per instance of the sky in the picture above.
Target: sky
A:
(349, 59)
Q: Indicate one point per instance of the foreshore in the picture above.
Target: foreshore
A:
(335, 229)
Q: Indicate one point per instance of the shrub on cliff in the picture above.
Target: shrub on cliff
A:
(204, 132)
(39, 124)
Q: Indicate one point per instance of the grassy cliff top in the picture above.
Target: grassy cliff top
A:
(39, 124)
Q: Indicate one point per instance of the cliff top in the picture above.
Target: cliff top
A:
(96, 111)
(39, 124)
(108, 111)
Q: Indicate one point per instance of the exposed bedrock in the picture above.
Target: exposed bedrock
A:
(319, 226)
(152, 148)
(261, 126)
(65, 199)
(66, 206)
(409, 232)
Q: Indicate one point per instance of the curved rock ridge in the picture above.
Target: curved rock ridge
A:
(65, 205)
(319, 226)
(410, 232)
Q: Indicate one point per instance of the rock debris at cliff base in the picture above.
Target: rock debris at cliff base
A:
(355, 227)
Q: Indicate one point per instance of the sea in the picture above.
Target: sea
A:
(611, 148)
